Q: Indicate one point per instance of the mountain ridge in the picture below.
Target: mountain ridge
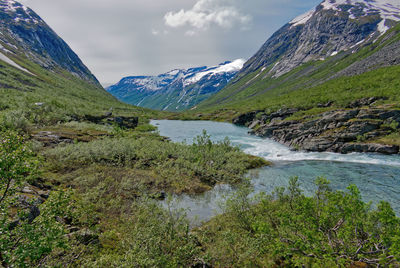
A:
(333, 26)
(175, 90)
(42, 81)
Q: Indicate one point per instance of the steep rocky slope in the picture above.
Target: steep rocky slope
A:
(24, 34)
(176, 90)
(331, 27)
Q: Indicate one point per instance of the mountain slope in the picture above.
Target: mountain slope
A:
(294, 94)
(332, 27)
(176, 90)
(315, 48)
(24, 32)
(37, 66)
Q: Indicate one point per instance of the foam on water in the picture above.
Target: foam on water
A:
(274, 151)
(187, 130)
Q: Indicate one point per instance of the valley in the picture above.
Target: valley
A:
(288, 159)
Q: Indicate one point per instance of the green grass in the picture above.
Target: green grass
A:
(392, 139)
(64, 96)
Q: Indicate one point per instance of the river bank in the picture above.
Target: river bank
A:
(347, 130)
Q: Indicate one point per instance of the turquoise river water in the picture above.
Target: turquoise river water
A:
(377, 176)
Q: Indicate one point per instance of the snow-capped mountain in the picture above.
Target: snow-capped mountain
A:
(178, 89)
(330, 28)
(24, 34)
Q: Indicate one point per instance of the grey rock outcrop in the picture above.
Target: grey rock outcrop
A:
(342, 130)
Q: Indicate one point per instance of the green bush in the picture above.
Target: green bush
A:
(23, 240)
(329, 229)
(153, 237)
(15, 120)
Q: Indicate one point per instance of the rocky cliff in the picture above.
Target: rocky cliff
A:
(353, 129)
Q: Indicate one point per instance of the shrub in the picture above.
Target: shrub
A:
(23, 239)
(331, 228)
(153, 237)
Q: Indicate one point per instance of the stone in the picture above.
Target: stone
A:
(254, 124)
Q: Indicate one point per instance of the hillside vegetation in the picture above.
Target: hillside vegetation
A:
(313, 83)
(62, 95)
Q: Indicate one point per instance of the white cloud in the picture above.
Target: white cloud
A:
(208, 12)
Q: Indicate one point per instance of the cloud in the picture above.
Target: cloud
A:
(116, 38)
(209, 12)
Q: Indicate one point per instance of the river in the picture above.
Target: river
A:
(377, 176)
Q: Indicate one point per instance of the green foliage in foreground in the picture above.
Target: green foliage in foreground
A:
(179, 167)
(329, 229)
(153, 237)
(287, 228)
(25, 238)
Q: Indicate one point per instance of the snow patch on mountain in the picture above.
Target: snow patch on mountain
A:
(12, 63)
(229, 67)
(178, 89)
(302, 19)
(387, 9)
(19, 11)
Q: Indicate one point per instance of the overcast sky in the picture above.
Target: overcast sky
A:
(118, 38)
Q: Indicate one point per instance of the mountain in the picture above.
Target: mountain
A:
(312, 43)
(22, 31)
(326, 81)
(176, 90)
(38, 67)
(331, 27)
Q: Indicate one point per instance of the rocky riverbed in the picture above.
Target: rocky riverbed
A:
(352, 129)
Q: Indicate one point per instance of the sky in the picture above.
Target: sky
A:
(119, 38)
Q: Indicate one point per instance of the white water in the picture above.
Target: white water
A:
(274, 151)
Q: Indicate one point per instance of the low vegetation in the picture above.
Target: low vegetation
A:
(168, 166)
(101, 210)
(287, 228)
